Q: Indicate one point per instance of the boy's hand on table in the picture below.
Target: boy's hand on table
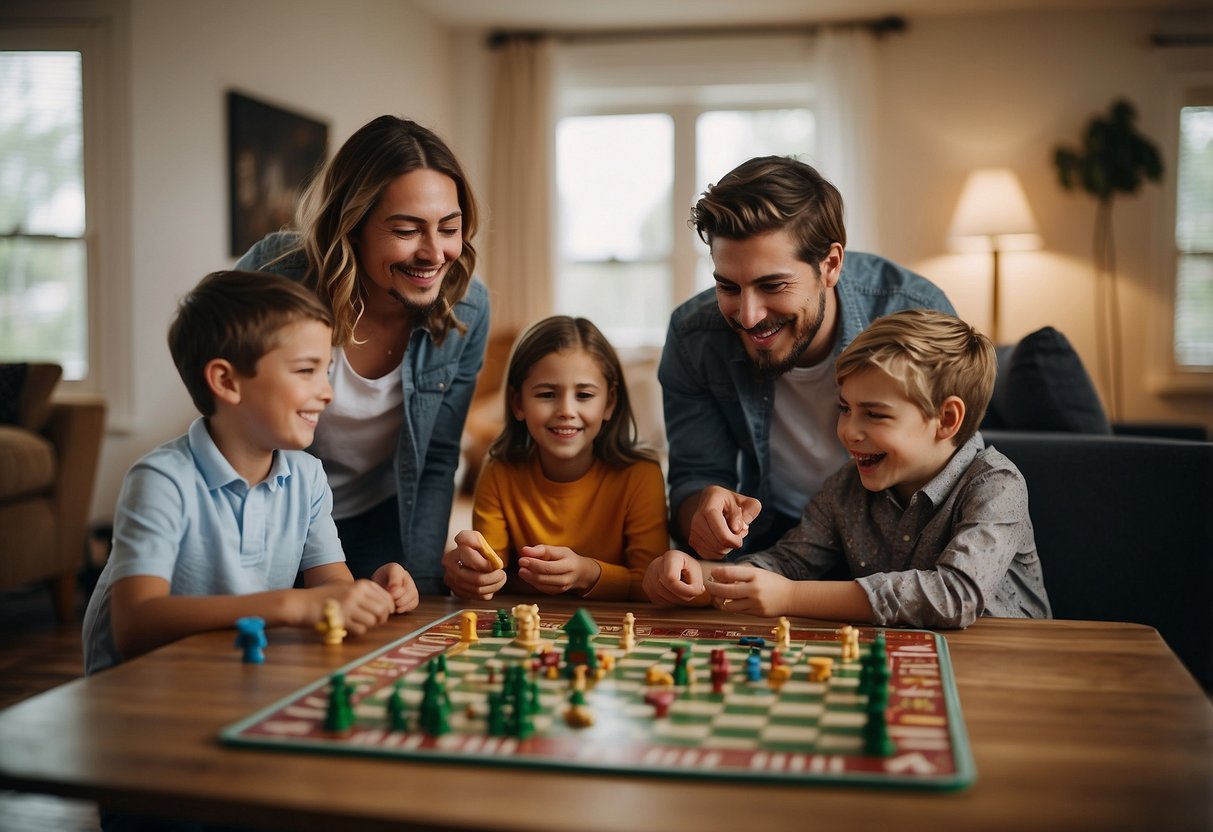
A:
(472, 569)
(674, 579)
(721, 522)
(364, 604)
(750, 590)
(556, 569)
(399, 584)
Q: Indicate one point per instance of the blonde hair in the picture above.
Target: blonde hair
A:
(932, 355)
(616, 444)
(340, 198)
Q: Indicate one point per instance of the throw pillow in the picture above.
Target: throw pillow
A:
(12, 381)
(1047, 388)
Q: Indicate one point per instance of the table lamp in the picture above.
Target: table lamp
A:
(993, 215)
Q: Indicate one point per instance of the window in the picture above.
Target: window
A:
(64, 153)
(1193, 323)
(43, 258)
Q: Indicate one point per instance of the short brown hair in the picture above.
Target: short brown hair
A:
(771, 193)
(616, 444)
(932, 355)
(236, 316)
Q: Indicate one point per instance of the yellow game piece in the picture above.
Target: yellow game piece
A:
(467, 628)
(578, 717)
(490, 555)
(332, 624)
(820, 668)
(778, 675)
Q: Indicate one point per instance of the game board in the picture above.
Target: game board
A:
(803, 732)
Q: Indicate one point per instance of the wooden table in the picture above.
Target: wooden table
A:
(1073, 725)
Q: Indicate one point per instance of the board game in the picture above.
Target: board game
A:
(721, 718)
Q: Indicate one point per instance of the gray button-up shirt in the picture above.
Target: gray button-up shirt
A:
(963, 547)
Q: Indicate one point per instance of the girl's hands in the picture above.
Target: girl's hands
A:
(472, 569)
(556, 569)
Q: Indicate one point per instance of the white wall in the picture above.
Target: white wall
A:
(1003, 91)
(342, 62)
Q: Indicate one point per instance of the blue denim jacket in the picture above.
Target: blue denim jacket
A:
(718, 415)
(438, 385)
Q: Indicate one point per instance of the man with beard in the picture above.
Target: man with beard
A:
(747, 373)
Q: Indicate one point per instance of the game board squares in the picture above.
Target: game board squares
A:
(797, 710)
(790, 737)
(840, 743)
(730, 719)
(687, 731)
(687, 706)
(844, 700)
(843, 719)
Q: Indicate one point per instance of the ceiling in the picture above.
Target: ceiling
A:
(644, 14)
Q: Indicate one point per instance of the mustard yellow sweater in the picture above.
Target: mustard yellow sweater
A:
(615, 516)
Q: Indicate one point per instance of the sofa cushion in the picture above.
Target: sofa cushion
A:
(12, 382)
(27, 463)
(25, 393)
(1047, 388)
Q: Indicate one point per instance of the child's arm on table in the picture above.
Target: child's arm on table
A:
(755, 591)
(145, 616)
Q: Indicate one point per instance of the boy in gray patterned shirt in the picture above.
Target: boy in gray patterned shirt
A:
(933, 525)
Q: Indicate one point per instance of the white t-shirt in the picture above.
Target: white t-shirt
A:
(357, 436)
(804, 435)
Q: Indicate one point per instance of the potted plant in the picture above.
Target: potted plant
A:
(1112, 159)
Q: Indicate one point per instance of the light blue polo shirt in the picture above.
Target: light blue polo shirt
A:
(185, 515)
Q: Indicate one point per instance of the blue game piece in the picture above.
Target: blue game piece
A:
(752, 641)
(753, 665)
(250, 637)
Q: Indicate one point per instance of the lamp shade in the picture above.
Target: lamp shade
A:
(993, 214)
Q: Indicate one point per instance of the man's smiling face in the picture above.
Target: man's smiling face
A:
(781, 307)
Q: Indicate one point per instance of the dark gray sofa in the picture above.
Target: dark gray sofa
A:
(1124, 527)
(1123, 513)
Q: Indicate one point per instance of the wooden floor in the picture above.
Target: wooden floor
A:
(36, 654)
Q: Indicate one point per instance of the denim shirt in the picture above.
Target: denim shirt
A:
(718, 414)
(438, 384)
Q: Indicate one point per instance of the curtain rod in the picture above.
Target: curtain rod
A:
(879, 27)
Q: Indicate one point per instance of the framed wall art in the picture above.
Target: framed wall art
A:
(272, 155)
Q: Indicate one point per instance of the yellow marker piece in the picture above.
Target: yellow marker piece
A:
(489, 555)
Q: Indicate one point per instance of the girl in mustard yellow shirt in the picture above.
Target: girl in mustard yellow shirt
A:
(567, 501)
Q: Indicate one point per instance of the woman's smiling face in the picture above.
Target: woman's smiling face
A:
(410, 239)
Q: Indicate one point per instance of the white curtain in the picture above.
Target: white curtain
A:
(520, 244)
(845, 75)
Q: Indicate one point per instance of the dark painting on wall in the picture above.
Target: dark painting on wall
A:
(272, 155)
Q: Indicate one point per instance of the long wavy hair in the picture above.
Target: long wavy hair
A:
(617, 444)
(340, 198)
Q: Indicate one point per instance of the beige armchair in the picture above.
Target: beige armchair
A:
(48, 463)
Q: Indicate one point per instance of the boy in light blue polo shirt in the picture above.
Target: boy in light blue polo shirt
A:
(216, 524)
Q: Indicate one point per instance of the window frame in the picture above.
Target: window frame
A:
(1168, 378)
(96, 30)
